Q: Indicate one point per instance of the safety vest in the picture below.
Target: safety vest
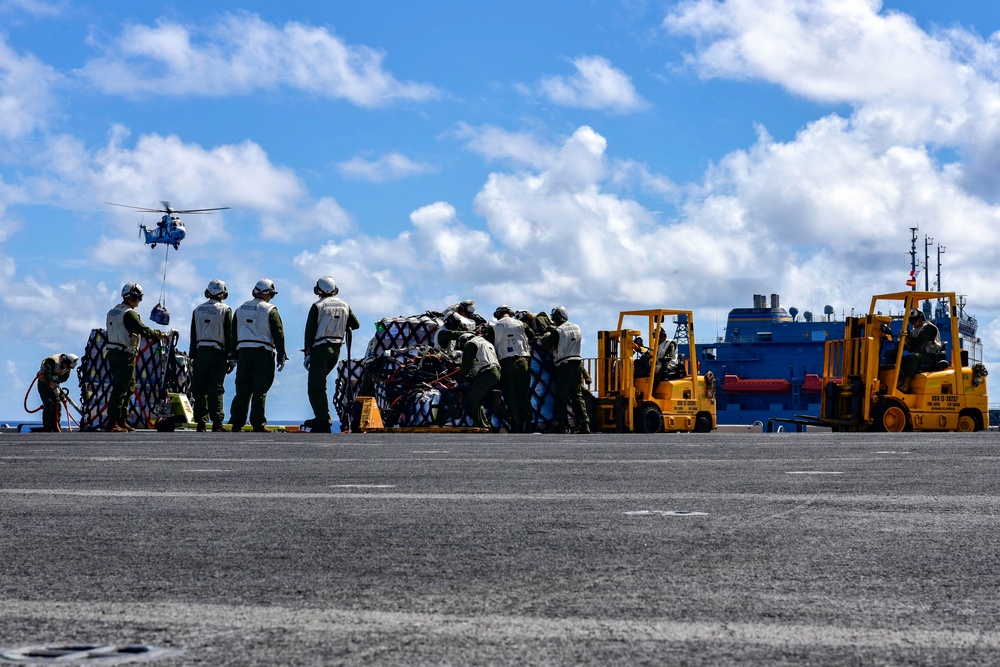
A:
(253, 327)
(57, 374)
(486, 356)
(210, 324)
(570, 342)
(510, 339)
(118, 336)
(667, 352)
(331, 324)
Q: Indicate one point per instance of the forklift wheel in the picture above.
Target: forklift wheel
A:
(650, 420)
(703, 424)
(890, 417)
(967, 423)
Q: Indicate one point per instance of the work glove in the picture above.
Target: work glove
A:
(305, 362)
(231, 366)
(281, 364)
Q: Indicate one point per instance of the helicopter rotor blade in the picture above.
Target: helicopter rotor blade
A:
(137, 208)
(203, 210)
(168, 210)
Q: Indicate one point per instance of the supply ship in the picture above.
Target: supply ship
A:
(769, 363)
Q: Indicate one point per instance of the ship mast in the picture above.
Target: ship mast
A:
(913, 255)
(927, 263)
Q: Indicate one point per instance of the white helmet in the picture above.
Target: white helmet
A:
(326, 286)
(559, 314)
(468, 307)
(501, 310)
(70, 359)
(132, 291)
(464, 338)
(264, 286)
(216, 289)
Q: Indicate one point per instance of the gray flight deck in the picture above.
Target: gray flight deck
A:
(414, 549)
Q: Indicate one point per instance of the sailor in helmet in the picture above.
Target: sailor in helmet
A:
(53, 372)
(326, 327)
(481, 368)
(260, 344)
(564, 339)
(211, 351)
(124, 328)
(512, 339)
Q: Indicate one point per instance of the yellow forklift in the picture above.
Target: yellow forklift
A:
(654, 388)
(861, 374)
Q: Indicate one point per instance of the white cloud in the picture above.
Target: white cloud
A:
(325, 216)
(240, 176)
(629, 173)
(828, 50)
(388, 167)
(496, 143)
(26, 99)
(33, 7)
(908, 87)
(243, 54)
(596, 85)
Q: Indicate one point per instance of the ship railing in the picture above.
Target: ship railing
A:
(741, 338)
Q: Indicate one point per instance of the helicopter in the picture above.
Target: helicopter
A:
(170, 229)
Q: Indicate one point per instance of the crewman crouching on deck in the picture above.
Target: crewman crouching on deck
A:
(53, 372)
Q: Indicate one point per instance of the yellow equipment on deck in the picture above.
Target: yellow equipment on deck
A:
(656, 388)
(861, 373)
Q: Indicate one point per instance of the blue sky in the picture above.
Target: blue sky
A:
(601, 155)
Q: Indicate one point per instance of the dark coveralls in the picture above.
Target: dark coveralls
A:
(122, 366)
(210, 367)
(50, 376)
(255, 375)
(323, 357)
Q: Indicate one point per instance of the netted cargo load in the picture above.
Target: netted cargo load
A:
(160, 368)
(415, 383)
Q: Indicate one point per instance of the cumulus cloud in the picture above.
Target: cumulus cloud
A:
(495, 143)
(556, 233)
(242, 54)
(157, 168)
(26, 98)
(411, 272)
(595, 85)
(325, 217)
(908, 86)
(388, 167)
(829, 50)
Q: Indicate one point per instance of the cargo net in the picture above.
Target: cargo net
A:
(159, 369)
(415, 383)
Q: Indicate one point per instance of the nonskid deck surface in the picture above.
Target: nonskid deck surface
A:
(416, 549)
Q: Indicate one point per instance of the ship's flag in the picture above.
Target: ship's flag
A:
(912, 280)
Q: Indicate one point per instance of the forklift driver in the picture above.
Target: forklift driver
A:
(923, 341)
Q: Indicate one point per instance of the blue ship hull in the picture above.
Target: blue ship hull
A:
(768, 364)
